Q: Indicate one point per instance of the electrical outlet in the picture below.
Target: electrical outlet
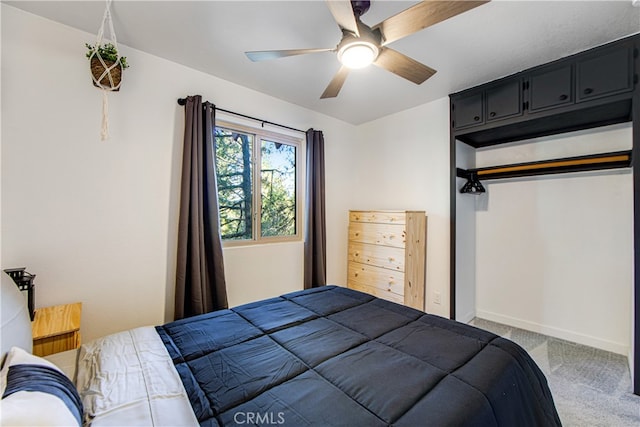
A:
(437, 297)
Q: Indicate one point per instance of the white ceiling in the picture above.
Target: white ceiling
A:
(491, 41)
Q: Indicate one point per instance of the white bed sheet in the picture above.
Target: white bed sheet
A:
(129, 379)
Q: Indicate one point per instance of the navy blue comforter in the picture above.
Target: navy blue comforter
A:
(332, 356)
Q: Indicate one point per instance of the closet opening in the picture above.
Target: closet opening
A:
(550, 253)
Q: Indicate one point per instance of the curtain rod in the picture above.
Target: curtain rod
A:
(183, 101)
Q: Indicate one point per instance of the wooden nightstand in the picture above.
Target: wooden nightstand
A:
(56, 329)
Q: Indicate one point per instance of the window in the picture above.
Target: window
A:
(257, 184)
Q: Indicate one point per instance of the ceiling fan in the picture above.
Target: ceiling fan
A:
(362, 45)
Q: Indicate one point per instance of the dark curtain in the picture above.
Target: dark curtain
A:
(315, 241)
(200, 282)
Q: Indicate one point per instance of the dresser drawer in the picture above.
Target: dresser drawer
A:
(377, 234)
(379, 256)
(379, 217)
(376, 277)
(376, 292)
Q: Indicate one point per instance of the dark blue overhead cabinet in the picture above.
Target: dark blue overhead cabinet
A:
(468, 110)
(578, 92)
(550, 87)
(504, 100)
(605, 73)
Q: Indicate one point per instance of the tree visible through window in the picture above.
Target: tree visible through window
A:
(278, 189)
(233, 165)
(256, 202)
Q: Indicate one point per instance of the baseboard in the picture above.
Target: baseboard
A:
(551, 331)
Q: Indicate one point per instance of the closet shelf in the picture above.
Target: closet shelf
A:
(613, 160)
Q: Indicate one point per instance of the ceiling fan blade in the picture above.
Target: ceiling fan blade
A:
(343, 14)
(420, 16)
(403, 66)
(263, 55)
(336, 83)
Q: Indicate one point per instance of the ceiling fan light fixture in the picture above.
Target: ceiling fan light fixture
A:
(358, 54)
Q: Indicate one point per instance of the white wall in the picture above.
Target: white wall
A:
(554, 253)
(96, 221)
(403, 163)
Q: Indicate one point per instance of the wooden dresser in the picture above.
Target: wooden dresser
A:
(387, 255)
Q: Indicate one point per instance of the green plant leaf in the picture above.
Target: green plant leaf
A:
(108, 52)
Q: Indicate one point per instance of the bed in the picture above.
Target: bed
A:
(329, 356)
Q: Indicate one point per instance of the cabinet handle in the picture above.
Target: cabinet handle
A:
(588, 90)
(492, 114)
(476, 118)
(563, 97)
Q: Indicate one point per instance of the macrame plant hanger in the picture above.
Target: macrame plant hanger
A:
(111, 77)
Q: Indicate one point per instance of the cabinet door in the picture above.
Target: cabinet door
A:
(467, 110)
(604, 73)
(550, 87)
(504, 100)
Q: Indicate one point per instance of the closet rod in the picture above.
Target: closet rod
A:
(183, 101)
(618, 159)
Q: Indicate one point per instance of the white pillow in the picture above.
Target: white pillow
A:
(15, 324)
(32, 408)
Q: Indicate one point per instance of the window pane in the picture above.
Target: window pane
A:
(233, 164)
(278, 189)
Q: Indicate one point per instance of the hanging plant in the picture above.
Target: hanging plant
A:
(106, 65)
